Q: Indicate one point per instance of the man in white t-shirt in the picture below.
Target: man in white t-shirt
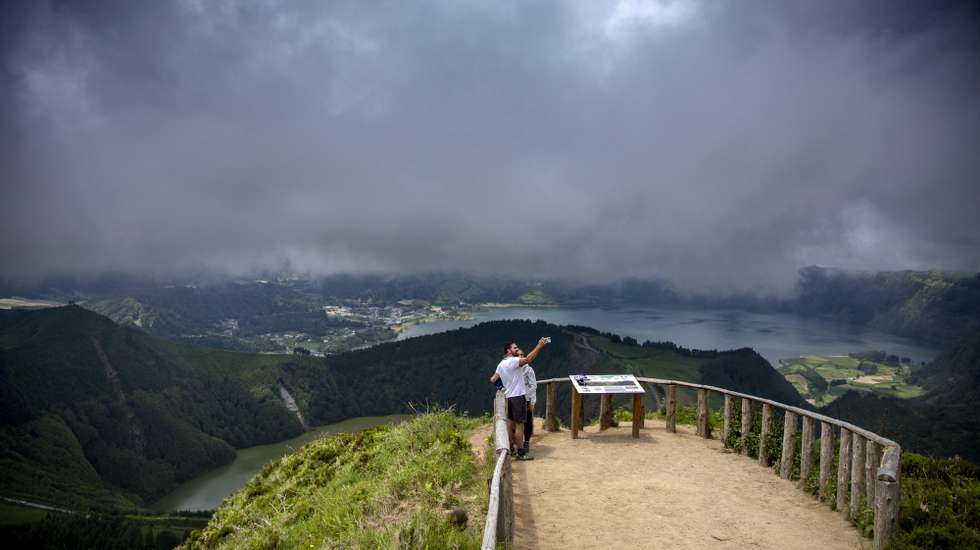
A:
(510, 371)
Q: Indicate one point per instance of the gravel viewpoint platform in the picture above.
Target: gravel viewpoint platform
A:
(666, 491)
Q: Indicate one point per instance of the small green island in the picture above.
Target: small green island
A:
(821, 379)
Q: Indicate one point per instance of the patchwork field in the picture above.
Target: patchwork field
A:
(821, 379)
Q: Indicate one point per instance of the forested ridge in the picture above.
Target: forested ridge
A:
(97, 414)
(927, 306)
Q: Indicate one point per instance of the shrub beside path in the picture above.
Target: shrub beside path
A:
(663, 490)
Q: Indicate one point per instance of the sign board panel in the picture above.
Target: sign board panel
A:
(606, 383)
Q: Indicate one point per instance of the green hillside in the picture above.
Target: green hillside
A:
(95, 414)
(927, 306)
(229, 316)
(387, 487)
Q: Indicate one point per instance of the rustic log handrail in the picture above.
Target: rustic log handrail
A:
(500, 509)
(858, 481)
(883, 441)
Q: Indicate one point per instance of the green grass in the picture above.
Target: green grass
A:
(13, 514)
(387, 487)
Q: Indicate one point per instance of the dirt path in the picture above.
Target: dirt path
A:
(662, 491)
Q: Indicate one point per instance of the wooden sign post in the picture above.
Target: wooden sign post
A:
(605, 385)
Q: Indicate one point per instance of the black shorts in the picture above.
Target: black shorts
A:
(517, 408)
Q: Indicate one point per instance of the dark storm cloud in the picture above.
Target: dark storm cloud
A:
(719, 144)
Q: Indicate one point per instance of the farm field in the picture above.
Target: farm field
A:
(821, 379)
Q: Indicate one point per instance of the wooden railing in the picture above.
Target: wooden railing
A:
(499, 527)
(868, 471)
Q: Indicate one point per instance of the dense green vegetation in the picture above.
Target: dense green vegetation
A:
(821, 379)
(387, 487)
(945, 421)
(940, 504)
(97, 415)
(15, 514)
(75, 531)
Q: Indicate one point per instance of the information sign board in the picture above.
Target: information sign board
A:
(606, 383)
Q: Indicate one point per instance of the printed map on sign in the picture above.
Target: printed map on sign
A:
(606, 383)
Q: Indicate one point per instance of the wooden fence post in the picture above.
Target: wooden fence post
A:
(576, 405)
(605, 411)
(789, 446)
(643, 411)
(872, 458)
(806, 450)
(551, 416)
(843, 470)
(672, 408)
(887, 497)
(726, 430)
(505, 516)
(857, 474)
(746, 424)
(704, 420)
(764, 435)
(826, 457)
(637, 413)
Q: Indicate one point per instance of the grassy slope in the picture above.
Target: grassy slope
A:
(387, 487)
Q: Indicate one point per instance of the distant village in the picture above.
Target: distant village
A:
(365, 324)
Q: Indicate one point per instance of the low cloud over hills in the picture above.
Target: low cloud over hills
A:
(719, 145)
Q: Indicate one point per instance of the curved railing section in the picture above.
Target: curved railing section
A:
(499, 527)
(868, 467)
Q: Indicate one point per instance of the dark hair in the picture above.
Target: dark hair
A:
(507, 347)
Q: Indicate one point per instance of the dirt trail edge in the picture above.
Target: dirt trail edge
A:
(663, 490)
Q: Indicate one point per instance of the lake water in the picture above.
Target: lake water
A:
(206, 492)
(774, 335)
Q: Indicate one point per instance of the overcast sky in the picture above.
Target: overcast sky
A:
(722, 145)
